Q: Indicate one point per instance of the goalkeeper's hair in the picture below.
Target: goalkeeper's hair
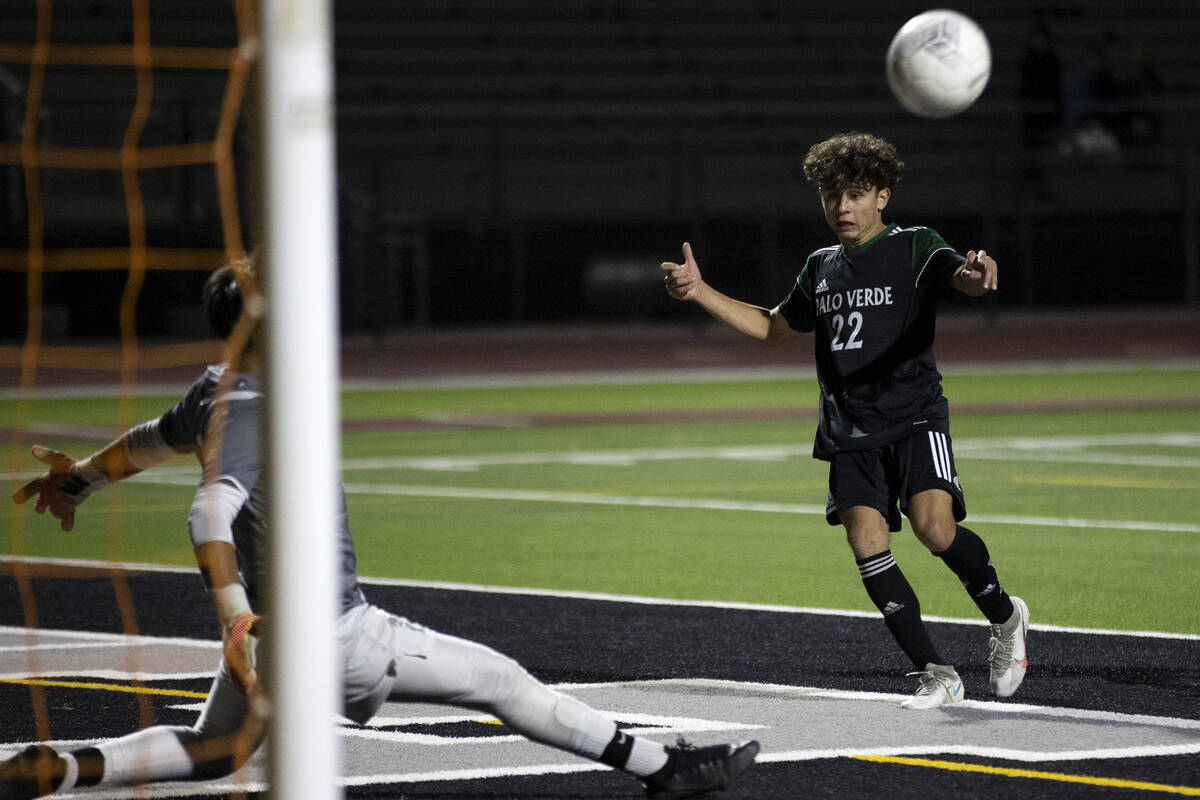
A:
(222, 295)
(853, 160)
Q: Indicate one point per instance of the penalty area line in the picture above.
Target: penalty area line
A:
(478, 773)
(106, 687)
(1011, 772)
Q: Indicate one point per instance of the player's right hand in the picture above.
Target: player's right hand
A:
(240, 642)
(65, 486)
(682, 280)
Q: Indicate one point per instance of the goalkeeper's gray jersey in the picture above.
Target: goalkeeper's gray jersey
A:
(234, 439)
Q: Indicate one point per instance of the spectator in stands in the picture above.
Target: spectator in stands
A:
(1041, 89)
(1090, 99)
(1041, 104)
(1142, 84)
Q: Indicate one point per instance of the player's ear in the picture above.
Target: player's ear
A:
(885, 194)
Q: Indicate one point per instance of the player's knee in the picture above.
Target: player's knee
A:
(569, 712)
(505, 678)
(866, 541)
(936, 532)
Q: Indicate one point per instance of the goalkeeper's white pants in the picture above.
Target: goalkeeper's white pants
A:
(385, 658)
(391, 658)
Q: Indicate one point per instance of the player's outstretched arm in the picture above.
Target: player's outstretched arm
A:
(684, 282)
(978, 275)
(65, 485)
(68, 482)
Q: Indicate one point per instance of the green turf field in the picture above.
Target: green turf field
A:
(1091, 513)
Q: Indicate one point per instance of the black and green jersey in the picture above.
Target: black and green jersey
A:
(872, 310)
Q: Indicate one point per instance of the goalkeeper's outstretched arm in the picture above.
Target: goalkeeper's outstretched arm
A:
(68, 482)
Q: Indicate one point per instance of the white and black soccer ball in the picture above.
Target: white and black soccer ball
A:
(939, 63)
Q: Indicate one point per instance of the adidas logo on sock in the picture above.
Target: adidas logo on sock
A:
(891, 608)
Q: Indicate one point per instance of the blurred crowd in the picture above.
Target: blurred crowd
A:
(1091, 98)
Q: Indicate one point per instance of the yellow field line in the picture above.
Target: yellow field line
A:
(111, 687)
(1191, 791)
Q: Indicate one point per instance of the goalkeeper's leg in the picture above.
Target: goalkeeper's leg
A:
(418, 664)
(219, 743)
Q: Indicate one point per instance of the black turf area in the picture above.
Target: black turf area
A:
(576, 640)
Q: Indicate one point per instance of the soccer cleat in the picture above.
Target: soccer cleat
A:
(33, 772)
(1006, 655)
(695, 771)
(940, 686)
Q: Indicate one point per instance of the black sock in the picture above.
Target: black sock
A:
(893, 596)
(616, 754)
(968, 557)
(91, 766)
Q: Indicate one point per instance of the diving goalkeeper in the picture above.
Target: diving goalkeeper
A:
(384, 656)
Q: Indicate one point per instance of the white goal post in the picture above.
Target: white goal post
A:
(299, 251)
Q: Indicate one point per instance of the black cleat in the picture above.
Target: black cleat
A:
(694, 771)
(33, 772)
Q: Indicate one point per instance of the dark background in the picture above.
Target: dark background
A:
(512, 162)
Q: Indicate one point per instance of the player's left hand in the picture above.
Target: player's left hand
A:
(65, 486)
(979, 275)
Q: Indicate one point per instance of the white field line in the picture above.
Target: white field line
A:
(725, 687)
(180, 790)
(1072, 449)
(736, 606)
(721, 687)
(991, 706)
(107, 674)
(98, 639)
(562, 593)
(577, 498)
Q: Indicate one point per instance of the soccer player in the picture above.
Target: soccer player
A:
(384, 657)
(871, 303)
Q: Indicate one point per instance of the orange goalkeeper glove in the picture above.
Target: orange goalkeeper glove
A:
(240, 640)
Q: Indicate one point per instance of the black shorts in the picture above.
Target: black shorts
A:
(886, 477)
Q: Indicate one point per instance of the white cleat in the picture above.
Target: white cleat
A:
(940, 686)
(1006, 655)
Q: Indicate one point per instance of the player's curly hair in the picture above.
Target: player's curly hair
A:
(858, 160)
(222, 294)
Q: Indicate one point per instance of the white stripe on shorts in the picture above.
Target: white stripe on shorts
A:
(941, 456)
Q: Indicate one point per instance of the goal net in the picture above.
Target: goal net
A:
(125, 168)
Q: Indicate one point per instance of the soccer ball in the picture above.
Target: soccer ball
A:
(938, 63)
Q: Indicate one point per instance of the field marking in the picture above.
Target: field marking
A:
(565, 594)
(1068, 449)
(1008, 772)
(651, 724)
(639, 724)
(584, 498)
(170, 390)
(1096, 481)
(107, 687)
(186, 476)
(98, 638)
(994, 707)
(1065, 449)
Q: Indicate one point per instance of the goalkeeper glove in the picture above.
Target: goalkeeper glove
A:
(64, 487)
(240, 641)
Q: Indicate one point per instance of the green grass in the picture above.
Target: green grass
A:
(1099, 577)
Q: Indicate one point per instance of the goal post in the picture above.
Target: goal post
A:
(299, 251)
